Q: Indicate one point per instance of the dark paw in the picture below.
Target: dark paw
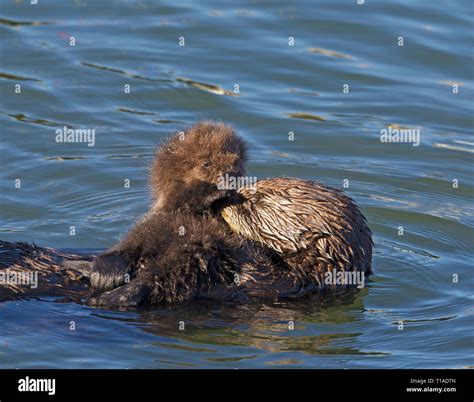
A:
(129, 295)
(110, 271)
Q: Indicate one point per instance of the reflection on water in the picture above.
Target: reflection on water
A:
(207, 332)
(276, 328)
(335, 77)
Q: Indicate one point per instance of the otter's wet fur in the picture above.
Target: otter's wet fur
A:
(313, 228)
(46, 264)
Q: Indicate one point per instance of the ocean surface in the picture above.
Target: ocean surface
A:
(319, 89)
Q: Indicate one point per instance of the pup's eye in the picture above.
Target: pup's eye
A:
(206, 164)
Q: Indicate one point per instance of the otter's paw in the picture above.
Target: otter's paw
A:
(129, 295)
(110, 271)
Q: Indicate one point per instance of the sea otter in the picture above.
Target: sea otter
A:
(200, 239)
(312, 228)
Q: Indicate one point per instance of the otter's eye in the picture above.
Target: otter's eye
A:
(206, 164)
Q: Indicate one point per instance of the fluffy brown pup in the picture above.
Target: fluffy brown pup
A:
(189, 167)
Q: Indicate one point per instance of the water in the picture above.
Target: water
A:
(282, 88)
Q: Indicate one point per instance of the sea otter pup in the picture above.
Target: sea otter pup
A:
(208, 260)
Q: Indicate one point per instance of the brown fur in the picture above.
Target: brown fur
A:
(312, 227)
(187, 167)
(175, 257)
(53, 278)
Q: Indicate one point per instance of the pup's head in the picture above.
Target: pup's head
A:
(191, 166)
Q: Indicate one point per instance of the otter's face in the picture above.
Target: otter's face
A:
(212, 176)
(216, 169)
(198, 169)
